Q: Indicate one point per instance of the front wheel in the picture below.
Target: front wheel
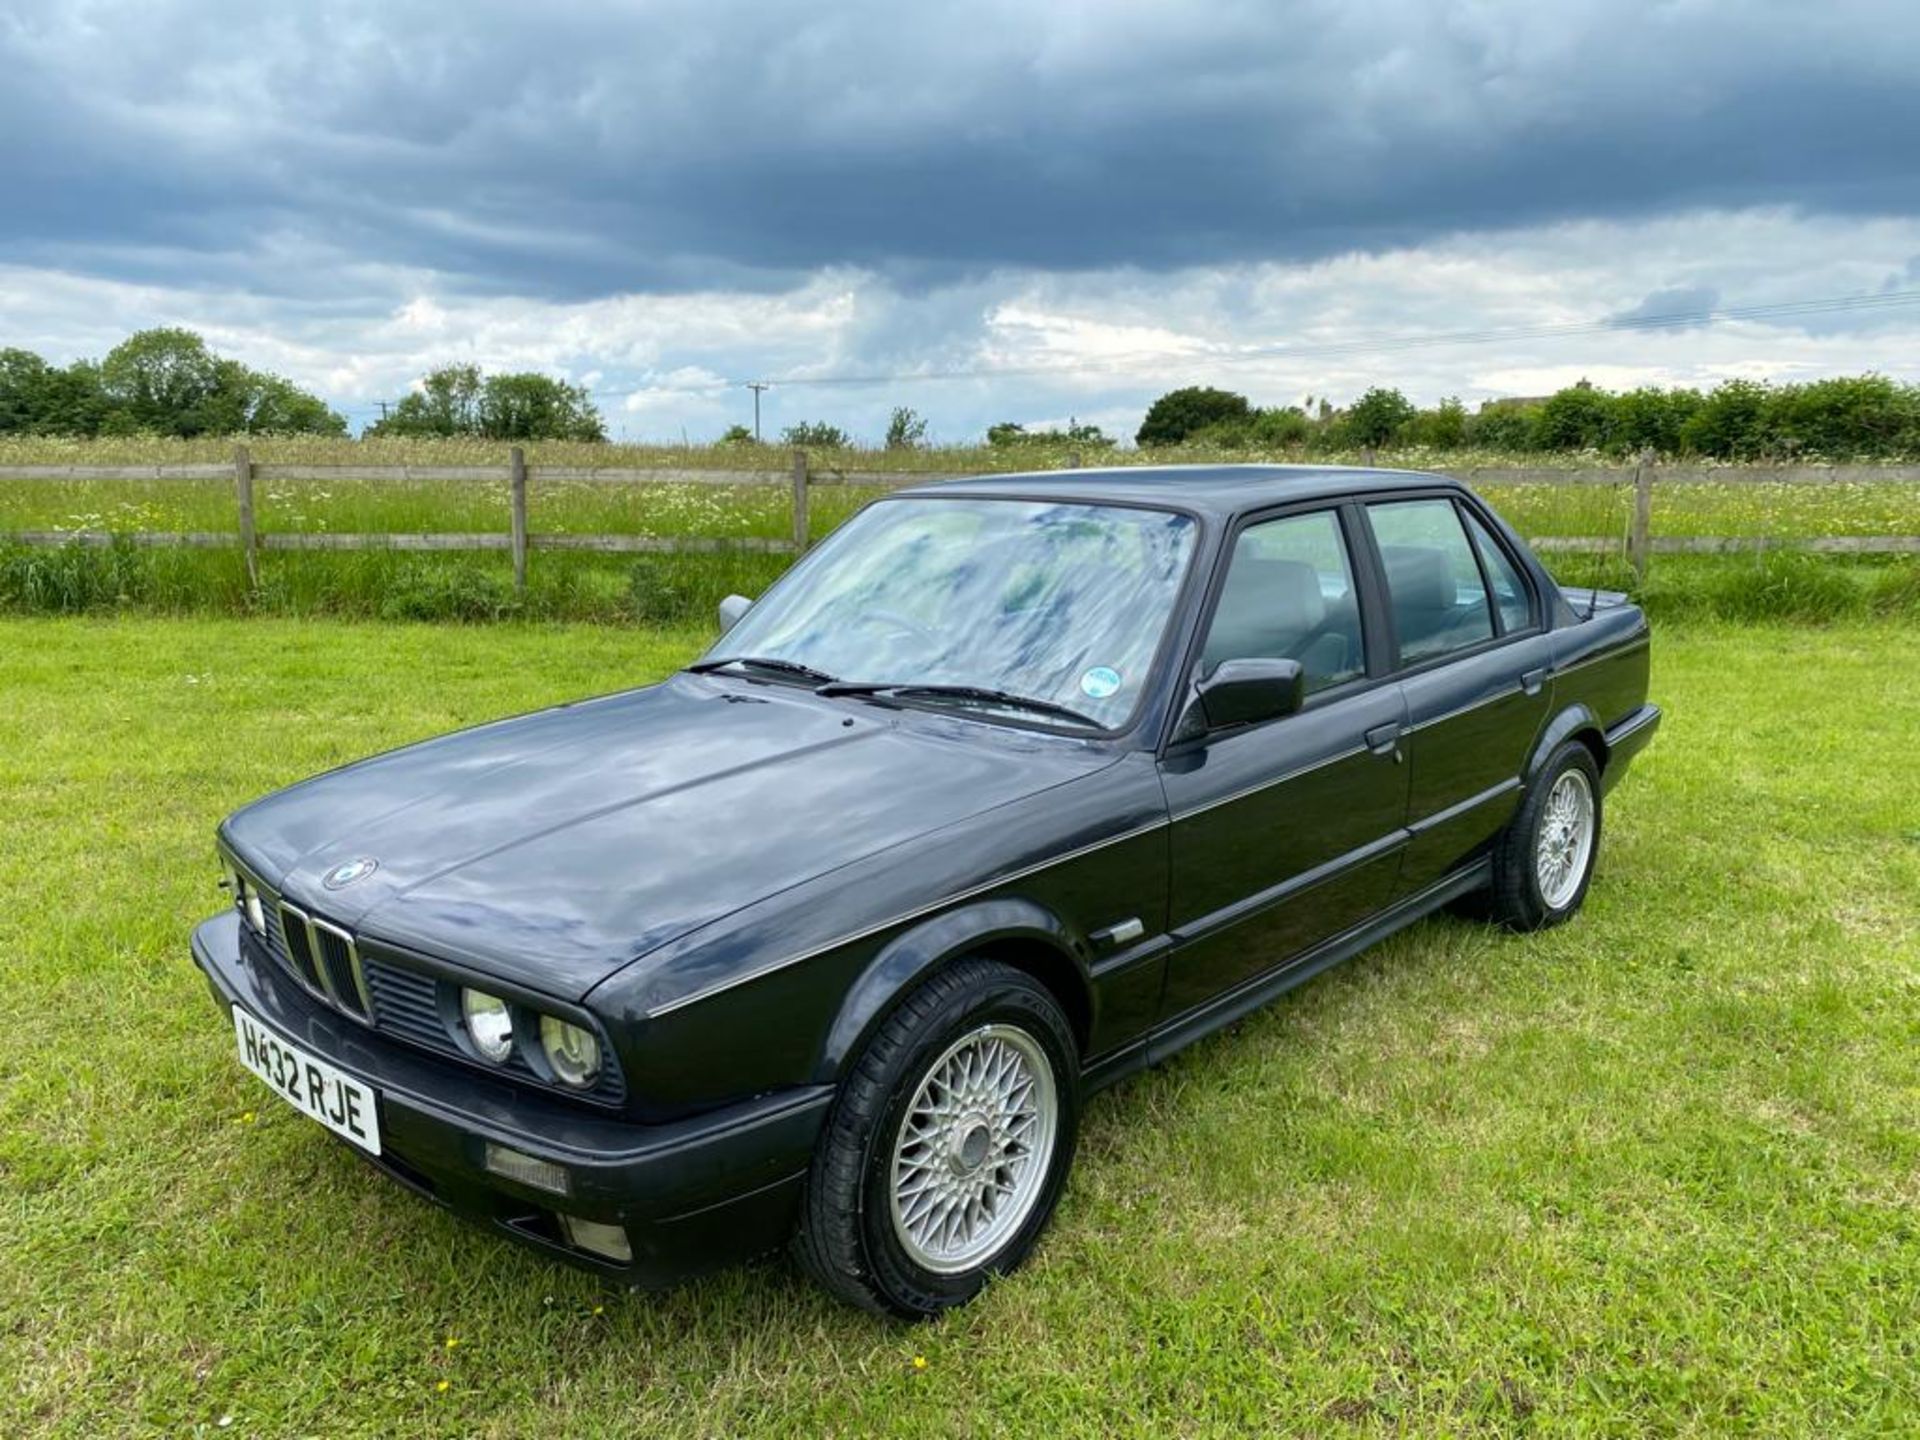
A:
(1544, 862)
(948, 1146)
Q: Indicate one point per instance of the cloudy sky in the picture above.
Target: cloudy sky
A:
(986, 211)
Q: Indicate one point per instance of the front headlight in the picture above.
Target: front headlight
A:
(573, 1053)
(489, 1024)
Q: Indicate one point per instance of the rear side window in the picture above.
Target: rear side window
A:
(1434, 584)
(1289, 596)
(1509, 590)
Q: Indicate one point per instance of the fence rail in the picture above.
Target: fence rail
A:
(519, 478)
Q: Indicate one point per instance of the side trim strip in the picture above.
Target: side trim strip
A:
(1250, 995)
(1460, 710)
(1616, 653)
(747, 977)
(1454, 812)
(1269, 784)
(1287, 889)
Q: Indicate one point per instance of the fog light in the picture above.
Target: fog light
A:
(607, 1241)
(528, 1170)
(489, 1024)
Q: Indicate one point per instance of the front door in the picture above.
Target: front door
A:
(1290, 831)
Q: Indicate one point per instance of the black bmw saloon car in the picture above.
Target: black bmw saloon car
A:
(1010, 787)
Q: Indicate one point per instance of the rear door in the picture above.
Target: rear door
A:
(1473, 660)
(1286, 832)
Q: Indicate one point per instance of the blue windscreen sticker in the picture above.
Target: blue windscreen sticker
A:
(1100, 682)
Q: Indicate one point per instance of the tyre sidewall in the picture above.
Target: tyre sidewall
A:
(1570, 756)
(1034, 1011)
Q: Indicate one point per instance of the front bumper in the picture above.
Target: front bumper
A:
(692, 1194)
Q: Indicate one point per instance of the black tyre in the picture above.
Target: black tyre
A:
(1543, 863)
(948, 1146)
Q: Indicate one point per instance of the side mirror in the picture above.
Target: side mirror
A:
(731, 609)
(1244, 692)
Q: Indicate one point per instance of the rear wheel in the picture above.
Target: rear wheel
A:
(1544, 862)
(948, 1146)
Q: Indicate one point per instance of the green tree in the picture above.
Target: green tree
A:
(1376, 417)
(530, 406)
(815, 435)
(162, 380)
(1731, 423)
(1504, 425)
(1651, 418)
(447, 403)
(37, 398)
(1179, 414)
(1442, 428)
(1865, 416)
(906, 429)
(736, 435)
(1577, 417)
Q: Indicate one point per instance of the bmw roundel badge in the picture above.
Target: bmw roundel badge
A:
(342, 876)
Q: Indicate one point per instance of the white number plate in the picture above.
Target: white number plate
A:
(309, 1084)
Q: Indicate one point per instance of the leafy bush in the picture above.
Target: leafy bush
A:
(1576, 418)
(815, 435)
(1504, 425)
(1179, 414)
(906, 429)
(456, 400)
(1375, 418)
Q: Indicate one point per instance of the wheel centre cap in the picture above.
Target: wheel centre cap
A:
(972, 1150)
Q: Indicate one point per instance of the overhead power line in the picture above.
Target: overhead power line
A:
(1367, 345)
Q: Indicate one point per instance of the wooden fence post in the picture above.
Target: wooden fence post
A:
(1640, 538)
(1073, 459)
(517, 486)
(800, 531)
(243, 493)
(1366, 456)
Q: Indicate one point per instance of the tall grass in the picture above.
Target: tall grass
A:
(673, 588)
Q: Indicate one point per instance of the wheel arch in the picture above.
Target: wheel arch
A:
(1014, 931)
(1575, 722)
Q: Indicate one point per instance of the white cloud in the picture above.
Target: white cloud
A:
(1096, 345)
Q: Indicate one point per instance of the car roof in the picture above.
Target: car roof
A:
(1218, 490)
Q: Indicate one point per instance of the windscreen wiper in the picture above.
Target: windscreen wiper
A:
(765, 662)
(965, 694)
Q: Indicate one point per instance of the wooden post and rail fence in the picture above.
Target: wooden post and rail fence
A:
(1638, 543)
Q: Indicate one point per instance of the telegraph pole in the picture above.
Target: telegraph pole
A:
(756, 386)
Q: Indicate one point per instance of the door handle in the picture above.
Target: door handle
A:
(1385, 740)
(1531, 682)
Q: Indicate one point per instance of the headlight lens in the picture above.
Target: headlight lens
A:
(489, 1024)
(573, 1053)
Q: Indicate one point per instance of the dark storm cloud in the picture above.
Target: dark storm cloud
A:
(570, 151)
(1676, 307)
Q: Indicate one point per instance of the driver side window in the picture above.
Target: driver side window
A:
(1289, 596)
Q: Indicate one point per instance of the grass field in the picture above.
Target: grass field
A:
(1655, 1172)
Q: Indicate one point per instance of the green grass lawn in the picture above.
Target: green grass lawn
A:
(1657, 1171)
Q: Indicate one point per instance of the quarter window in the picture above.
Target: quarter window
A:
(1289, 596)
(1509, 590)
(1438, 597)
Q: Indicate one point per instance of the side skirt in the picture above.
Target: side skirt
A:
(1176, 1034)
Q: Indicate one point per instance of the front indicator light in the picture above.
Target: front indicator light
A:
(573, 1052)
(489, 1024)
(527, 1169)
(607, 1241)
(256, 915)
